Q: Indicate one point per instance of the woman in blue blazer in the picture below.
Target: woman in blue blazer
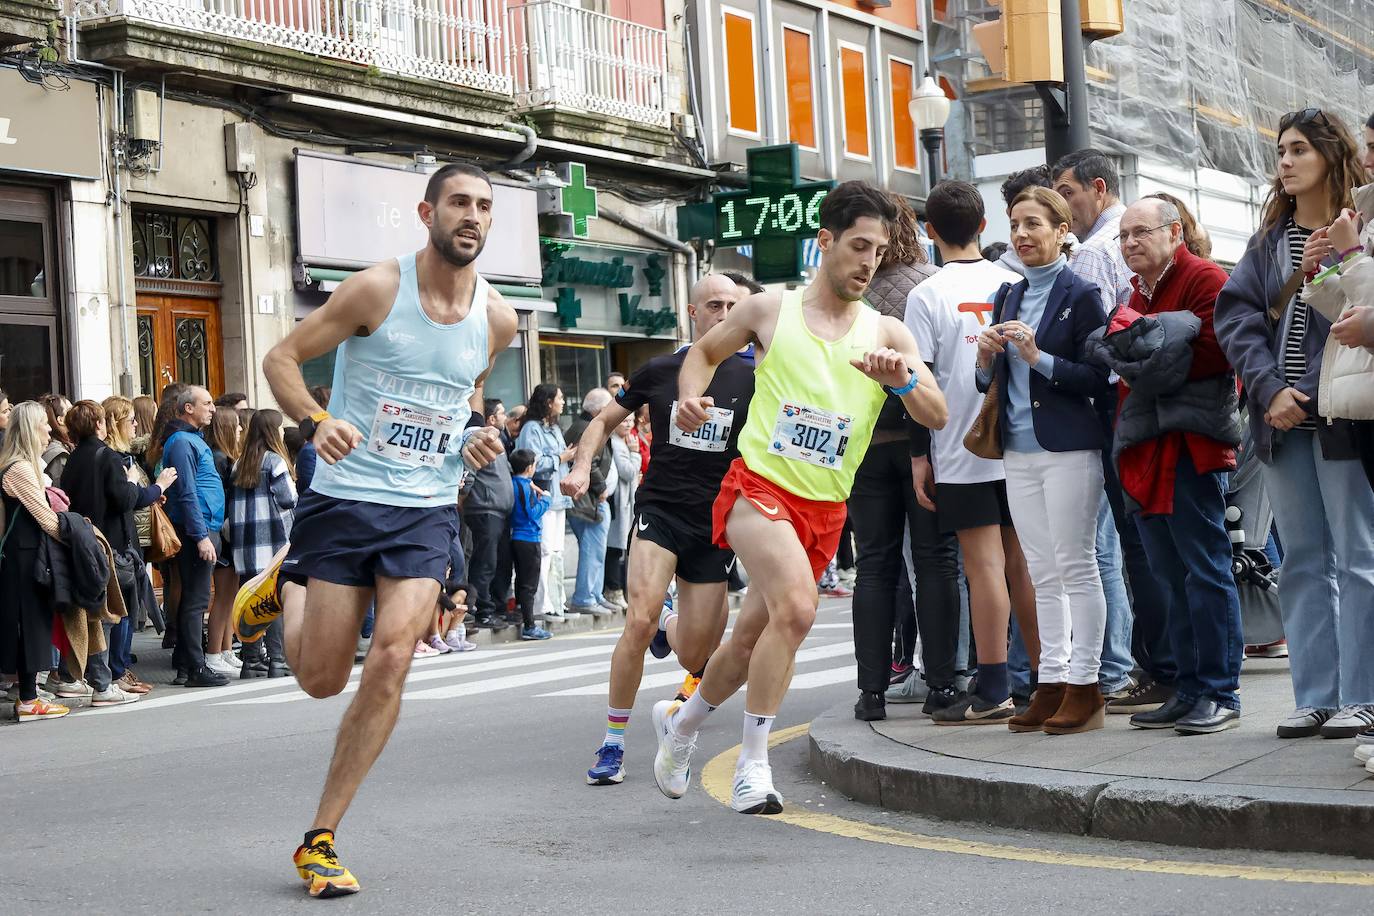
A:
(1052, 453)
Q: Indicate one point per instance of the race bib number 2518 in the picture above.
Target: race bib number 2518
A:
(412, 436)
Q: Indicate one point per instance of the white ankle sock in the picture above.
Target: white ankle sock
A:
(755, 745)
(664, 616)
(692, 714)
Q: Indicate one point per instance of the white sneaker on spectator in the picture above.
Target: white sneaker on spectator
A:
(113, 696)
(69, 690)
(553, 615)
(1363, 752)
(436, 642)
(458, 641)
(1348, 721)
(603, 608)
(215, 662)
(617, 597)
(364, 643)
(231, 659)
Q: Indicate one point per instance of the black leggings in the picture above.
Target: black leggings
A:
(883, 506)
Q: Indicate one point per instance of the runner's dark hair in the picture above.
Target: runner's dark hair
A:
(740, 278)
(954, 210)
(436, 181)
(851, 202)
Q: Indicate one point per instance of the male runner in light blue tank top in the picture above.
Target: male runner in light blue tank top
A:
(415, 339)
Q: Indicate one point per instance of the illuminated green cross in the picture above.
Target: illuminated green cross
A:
(577, 200)
(776, 215)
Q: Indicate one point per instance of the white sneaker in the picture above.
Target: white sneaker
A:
(113, 696)
(673, 762)
(753, 791)
(231, 659)
(364, 643)
(617, 598)
(912, 690)
(69, 690)
(1363, 752)
(217, 664)
(457, 640)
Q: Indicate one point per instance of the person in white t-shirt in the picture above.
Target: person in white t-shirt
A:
(969, 494)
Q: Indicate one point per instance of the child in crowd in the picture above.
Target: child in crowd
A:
(526, 519)
(447, 632)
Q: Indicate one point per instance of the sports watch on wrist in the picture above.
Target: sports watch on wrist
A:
(307, 426)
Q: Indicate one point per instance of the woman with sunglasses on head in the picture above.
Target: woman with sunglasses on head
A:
(1322, 503)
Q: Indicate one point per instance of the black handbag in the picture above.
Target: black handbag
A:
(127, 564)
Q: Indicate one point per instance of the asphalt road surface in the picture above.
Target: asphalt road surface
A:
(193, 801)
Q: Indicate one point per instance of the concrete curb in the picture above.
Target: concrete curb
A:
(876, 770)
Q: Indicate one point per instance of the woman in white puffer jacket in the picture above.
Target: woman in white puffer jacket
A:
(1344, 293)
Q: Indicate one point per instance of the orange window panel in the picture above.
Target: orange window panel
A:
(801, 111)
(903, 78)
(740, 76)
(854, 90)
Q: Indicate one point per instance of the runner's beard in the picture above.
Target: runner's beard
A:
(447, 246)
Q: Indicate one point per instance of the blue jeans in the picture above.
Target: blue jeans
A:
(1190, 552)
(1325, 515)
(591, 557)
(1117, 663)
(1018, 662)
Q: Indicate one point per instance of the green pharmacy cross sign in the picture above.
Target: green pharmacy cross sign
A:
(776, 215)
(576, 200)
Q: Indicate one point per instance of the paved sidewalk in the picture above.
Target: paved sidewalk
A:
(1242, 788)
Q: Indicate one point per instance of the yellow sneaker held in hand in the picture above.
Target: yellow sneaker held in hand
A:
(318, 865)
(257, 605)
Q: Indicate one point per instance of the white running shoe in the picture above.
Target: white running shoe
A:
(1363, 752)
(458, 641)
(673, 762)
(113, 696)
(215, 662)
(232, 659)
(753, 791)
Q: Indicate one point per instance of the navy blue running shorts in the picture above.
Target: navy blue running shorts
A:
(348, 542)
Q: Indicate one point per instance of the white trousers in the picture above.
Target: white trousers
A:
(1054, 498)
(551, 595)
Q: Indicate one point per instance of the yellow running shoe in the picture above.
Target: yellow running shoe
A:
(689, 686)
(256, 605)
(318, 865)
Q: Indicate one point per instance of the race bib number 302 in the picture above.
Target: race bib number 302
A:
(811, 434)
(412, 436)
(713, 436)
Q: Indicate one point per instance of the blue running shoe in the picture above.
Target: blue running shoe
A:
(659, 647)
(535, 632)
(608, 770)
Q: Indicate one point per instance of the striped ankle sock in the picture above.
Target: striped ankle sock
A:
(616, 720)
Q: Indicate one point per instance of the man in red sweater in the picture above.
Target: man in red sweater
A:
(1178, 478)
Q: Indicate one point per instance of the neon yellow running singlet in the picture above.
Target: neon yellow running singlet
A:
(812, 414)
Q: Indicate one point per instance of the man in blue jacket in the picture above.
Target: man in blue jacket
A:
(196, 509)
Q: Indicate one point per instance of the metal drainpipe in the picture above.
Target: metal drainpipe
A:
(126, 375)
(531, 144)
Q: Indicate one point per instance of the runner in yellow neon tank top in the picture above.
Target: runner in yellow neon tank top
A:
(826, 357)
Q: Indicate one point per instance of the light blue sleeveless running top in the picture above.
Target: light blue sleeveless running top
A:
(405, 387)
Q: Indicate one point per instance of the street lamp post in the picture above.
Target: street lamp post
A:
(929, 110)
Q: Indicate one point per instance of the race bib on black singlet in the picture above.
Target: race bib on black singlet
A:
(811, 434)
(713, 436)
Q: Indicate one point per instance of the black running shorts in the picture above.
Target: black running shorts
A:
(698, 560)
(960, 506)
(352, 543)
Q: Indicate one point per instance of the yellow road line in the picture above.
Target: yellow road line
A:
(716, 780)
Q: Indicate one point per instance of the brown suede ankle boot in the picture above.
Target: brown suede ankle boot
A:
(1044, 703)
(1082, 711)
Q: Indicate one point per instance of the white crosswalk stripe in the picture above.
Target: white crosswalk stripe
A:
(580, 670)
(675, 677)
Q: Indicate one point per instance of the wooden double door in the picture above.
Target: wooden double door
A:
(179, 341)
